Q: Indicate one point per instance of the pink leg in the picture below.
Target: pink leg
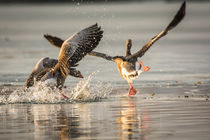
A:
(132, 90)
(145, 68)
(64, 96)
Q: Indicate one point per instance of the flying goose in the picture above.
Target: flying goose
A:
(128, 65)
(72, 51)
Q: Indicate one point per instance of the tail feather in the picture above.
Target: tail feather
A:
(75, 73)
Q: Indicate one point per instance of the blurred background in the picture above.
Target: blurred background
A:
(85, 1)
(173, 99)
(182, 55)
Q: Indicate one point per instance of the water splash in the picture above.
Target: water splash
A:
(84, 91)
(43, 93)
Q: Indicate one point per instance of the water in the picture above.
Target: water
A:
(46, 92)
(182, 54)
(173, 97)
(116, 118)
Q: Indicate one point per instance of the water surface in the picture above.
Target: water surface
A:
(173, 97)
(116, 118)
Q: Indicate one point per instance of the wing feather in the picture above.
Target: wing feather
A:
(176, 20)
(55, 41)
(102, 55)
(77, 46)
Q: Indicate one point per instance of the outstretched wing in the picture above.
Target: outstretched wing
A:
(55, 41)
(102, 55)
(77, 46)
(86, 40)
(178, 17)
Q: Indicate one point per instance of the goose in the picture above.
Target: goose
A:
(72, 51)
(43, 66)
(128, 65)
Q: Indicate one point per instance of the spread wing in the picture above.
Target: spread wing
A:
(77, 46)
(86, 40)
(55, 41)
(102, 55)
(178, 17)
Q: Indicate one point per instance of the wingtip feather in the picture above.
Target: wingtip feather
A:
(178, 17)
(45, 35)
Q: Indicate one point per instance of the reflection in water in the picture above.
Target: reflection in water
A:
(116, 118)
(79, 121)
(132, 123)
(54, 121)
(64, 121)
